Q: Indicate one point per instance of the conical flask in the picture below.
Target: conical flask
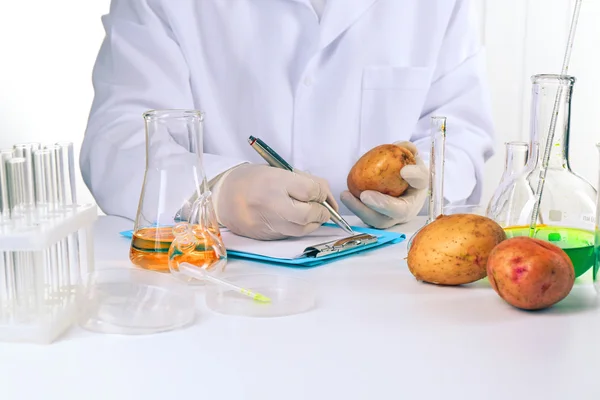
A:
(567, 207)
(174, 190)
(510, 192)
(515, 159)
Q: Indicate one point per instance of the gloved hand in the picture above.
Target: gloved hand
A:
(267, 203)
(383, 211)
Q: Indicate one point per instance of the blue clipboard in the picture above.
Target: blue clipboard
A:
(317, 256)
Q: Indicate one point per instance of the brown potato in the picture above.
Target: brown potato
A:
(379, 170)
(454, 249)
(530, 273)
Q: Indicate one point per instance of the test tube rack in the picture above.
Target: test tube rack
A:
(46, 243)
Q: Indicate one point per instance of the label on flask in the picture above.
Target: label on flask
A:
(569, 218)
(588, 218)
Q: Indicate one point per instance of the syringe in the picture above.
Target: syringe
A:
(548, 148)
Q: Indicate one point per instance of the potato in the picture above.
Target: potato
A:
(530, 273)
(454, 249)
(379, 170)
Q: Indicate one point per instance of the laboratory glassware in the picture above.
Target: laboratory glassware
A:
(515, 159)
(37, 282)
(202, 274)
(436, 167)
(288, 295)
(553, 122)
(437, 133)
(515, 162)
(133, 301)
(597, 229)
(174, 183)
(192, 243)
(567, 207)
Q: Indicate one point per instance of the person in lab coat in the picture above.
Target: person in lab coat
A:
(320, 81)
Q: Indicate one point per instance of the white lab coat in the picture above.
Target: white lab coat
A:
(319, 92)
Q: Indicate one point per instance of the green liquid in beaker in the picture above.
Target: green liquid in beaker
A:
(577, 243)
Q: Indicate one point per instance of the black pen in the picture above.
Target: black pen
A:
(276, 161)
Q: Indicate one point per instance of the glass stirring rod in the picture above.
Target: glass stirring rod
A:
(550, 140)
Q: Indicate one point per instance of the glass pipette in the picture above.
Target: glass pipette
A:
(548, 148)
(200, 274)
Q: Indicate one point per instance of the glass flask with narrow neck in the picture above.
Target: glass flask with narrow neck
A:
(508, 191)
(567, 208)
(201, 247)
(597, 229)
(174, 190)
(515, 159)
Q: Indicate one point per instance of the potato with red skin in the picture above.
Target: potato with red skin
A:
(379, 170)
(529, 273)
(454, 249)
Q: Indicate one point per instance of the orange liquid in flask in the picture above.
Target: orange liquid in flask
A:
(150, 249)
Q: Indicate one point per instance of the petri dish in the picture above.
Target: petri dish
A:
(133, 301)
(288, 296)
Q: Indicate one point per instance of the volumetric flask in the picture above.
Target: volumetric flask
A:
(568, 203)
(174, 189)
(597, 246)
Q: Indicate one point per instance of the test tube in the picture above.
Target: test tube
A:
(25, 151)
(6, 258)
(15, 172)
(51, 177)
(68, 198)
(40, 158)
(436, 167)
(66, 173)
(59, 254)
(4, 200)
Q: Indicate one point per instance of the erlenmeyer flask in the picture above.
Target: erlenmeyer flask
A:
(175, 190)
(567, 207)
(512, 193)
(515, 159)
(597, 241)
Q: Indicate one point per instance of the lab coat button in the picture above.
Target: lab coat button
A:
(307, 81)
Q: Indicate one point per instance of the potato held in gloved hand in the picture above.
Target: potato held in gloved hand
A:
(387, 186)
(379, 169)
(267, 203)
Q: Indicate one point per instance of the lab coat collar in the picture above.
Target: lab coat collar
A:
(339, 15)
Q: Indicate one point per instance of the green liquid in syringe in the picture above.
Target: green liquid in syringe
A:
(577, 243)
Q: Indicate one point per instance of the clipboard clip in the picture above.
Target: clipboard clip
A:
(337, 246)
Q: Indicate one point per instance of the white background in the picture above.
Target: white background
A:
(48, 48)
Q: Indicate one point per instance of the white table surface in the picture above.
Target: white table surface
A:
(377, 334)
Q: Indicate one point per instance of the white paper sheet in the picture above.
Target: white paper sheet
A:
(286, 248)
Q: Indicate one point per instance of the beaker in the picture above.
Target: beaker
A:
(174, 183)
(597, 241)
(568, 203)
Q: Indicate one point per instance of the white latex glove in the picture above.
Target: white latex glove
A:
(383, 211)
(267, 203)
